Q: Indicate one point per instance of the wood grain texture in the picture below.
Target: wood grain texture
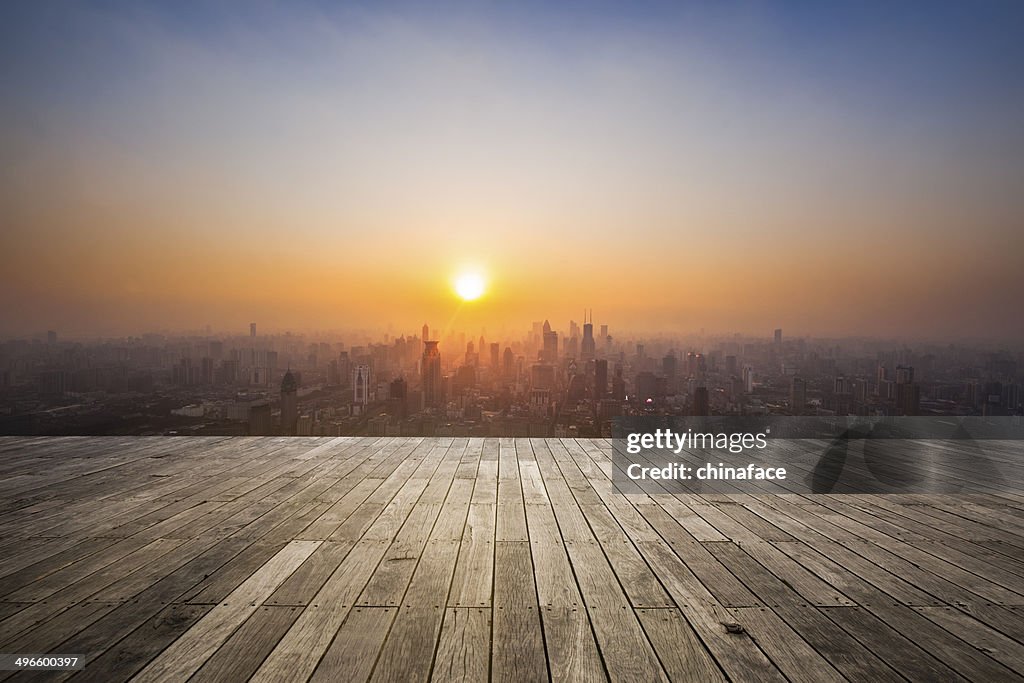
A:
(474, 559)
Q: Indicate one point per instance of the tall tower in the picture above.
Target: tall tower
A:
(252, 330)
(587, 346)
(361, 384)
(508, 368)
(430, 369)
(426, 332)
(550, 344)
(289, 404)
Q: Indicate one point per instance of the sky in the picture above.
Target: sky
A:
(827, 168)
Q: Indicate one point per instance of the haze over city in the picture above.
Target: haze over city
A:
(321, 167)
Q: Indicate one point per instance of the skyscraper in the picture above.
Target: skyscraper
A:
(550, 352)
(430, 373)
(508, 366)
(588, 348)
(669, 368)
(797, 396)
(495, 351)
(778, 336)
(397, 393)
(600, 378)
(252, 330)
(289, 404)
(701, 403)
(361, 384)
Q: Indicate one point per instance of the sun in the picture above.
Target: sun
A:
(469, 286)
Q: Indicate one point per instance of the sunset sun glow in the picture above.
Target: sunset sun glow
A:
(469, 286)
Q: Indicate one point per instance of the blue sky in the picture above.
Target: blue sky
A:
(761, 136)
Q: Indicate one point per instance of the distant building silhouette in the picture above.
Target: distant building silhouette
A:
(550, 352)
(260, 419)
(508, 365)
(430, 375)
(398, 392)
(600, 378)
(797, 396)
(588, 348)
(289, 404)
(361, 384)
(701, 403)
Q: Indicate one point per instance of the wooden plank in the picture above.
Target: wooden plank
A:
(241, 654)
(353, 653)
(678, 646)
(301, 648)
(914, 662)
(518, 645)
(626, 651)
(463, 650)
(844, 653)
(474, 570)
(999, 647)
(736, 653)
(188, 653)
(122, 661)
(309, 578)
(408, 650)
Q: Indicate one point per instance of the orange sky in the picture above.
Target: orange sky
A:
(340, 177)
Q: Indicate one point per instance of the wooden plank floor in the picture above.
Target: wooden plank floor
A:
(400, 559)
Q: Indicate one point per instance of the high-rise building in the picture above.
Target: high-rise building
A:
(542, 376)
(778, 336)
(701, 403)
(361, 384)
(430, 375)
(206, 370)
(426, 332)
(588, 348)
(646, 387)
(397, 394)
(908, 398)
(252, 330)
(550, 352)
(51, 337)
(600, 378)
(260, 419)
(344, 367)
(508, 365)
(289, 404)
(495, 352)
(797, 396)
(904, 374)
(618, 385)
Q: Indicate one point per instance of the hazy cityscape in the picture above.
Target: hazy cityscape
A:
(551, 380)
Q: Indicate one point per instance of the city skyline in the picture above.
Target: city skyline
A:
(828, 170)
